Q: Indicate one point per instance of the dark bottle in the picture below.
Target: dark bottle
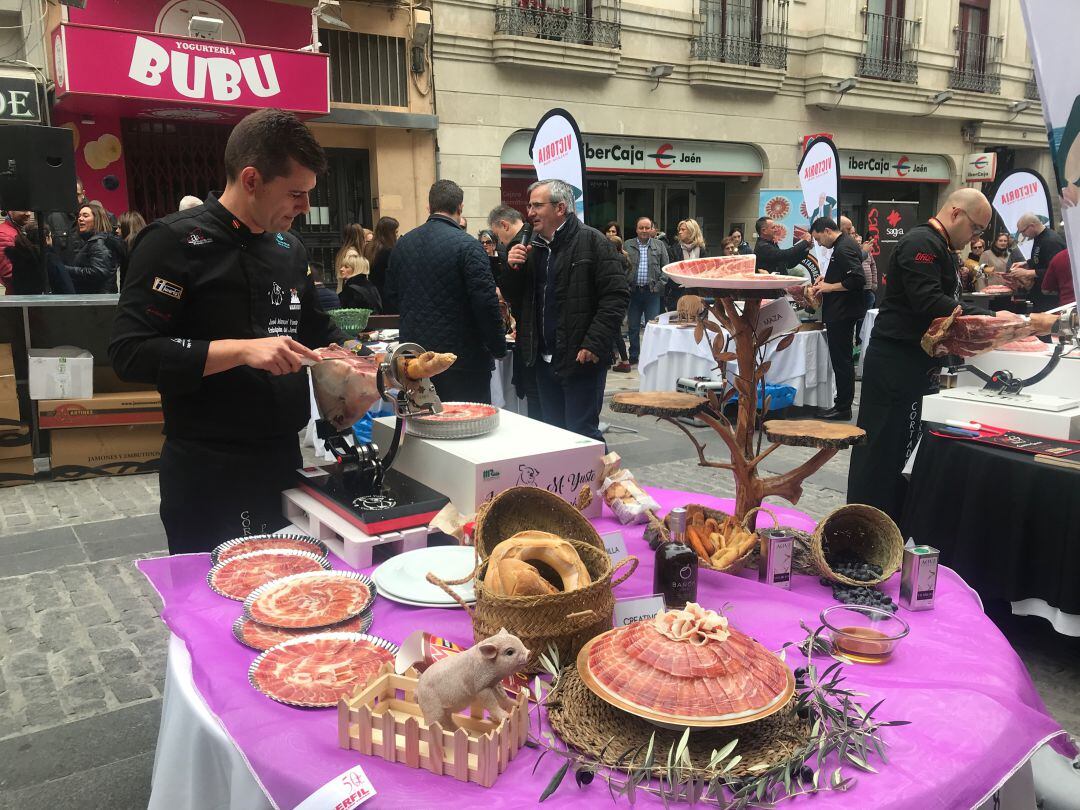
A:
(676, 565)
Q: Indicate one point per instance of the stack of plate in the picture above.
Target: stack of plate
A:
(404, 578)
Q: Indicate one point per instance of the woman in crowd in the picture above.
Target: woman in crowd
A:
(970, 278)
(613, 232)
(491, 247)
(129, 224)
(690, 244)
(1000, 254)
(356, 291)
(378, 250)
(742, 246)
(352, 249)
(730, 246)
(100, 252)
(25, 266)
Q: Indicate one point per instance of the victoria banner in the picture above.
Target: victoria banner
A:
(558, 153)
(1051, 27)
(819, 178)
(1022, 191)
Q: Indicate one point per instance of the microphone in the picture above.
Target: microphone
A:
(524, 236)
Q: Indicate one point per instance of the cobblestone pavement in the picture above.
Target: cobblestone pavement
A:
(82, 650)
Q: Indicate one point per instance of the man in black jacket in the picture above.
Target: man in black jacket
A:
(770, 256)
(441, 278)
(572, 293)
(219, 311)
(924, 284)
(842, 306)
(1047, 243)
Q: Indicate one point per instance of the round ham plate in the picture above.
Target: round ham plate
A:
(236, 577)
(262, 636)
(758, 281)
(318, 670)
(262, 542)
(311, 600)
(458, 420)
(672, 721)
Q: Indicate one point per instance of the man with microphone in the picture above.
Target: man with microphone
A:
(571, 294)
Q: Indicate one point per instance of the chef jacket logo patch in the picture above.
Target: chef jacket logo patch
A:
(282, 241)
(294, 299)
(197, 237)
(925, 258)
(277, 295)
(166, 287)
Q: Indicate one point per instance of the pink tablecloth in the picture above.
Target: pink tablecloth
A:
(975, 715)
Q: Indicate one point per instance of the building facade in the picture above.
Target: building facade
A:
(151, 89)
(695, 107)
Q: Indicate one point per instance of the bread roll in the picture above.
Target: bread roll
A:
(546, 548)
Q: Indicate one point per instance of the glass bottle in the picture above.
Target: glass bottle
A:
(676, 565)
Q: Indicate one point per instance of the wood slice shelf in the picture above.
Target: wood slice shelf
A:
(665, 404)
(813, 433)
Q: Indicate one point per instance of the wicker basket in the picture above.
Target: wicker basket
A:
(864, 531)
(719, 516)
(351, 321)
(564, 620)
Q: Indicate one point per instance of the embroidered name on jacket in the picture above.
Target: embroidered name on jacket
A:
(925, 258)
(166, 287)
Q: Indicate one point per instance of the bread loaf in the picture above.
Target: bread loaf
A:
(542, 547)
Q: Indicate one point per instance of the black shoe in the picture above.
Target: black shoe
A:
(836, 415)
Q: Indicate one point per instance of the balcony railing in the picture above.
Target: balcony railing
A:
(742, 32)
(978, 61)
(1031, 88)
(889, 50)
(585, 22)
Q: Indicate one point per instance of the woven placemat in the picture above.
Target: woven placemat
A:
(604, 733)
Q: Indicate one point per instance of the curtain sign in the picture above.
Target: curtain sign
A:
(1022, 192)
(558, 153)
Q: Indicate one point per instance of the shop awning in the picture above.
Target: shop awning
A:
(137, 72)
(631, 155)
(896, 167)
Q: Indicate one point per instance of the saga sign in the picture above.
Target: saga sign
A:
(190, 73)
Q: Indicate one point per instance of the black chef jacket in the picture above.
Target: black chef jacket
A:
(779, 260)
(1048, 244)
(845, 267)
(200, 275)
(922, 283)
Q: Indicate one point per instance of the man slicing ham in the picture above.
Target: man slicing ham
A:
(218, 310)
(923, 285)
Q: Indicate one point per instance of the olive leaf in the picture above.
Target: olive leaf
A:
(556, 780)
(684, 741)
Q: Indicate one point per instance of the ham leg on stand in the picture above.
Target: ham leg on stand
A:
(969, 335)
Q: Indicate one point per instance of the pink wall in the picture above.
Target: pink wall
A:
(95, 178)
(262, 21)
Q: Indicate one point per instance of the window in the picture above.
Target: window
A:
(366, 68)
(977, 53)
(742, 32)
(582, 22)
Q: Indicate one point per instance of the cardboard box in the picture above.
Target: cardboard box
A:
(16, 443)
(65, 372)
(7, 362)
(9, 396)
(115, 450)
(521, 451)
(100, 410)
(16, 471)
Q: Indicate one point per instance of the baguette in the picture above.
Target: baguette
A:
(694, 537)
(428, 364)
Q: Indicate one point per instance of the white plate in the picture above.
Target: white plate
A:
(438, 605)
(760, 282)
(403, 577)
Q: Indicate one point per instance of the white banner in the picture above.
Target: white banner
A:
(1022, 192)
(558, 153)
(819, 177)
(1052, 26)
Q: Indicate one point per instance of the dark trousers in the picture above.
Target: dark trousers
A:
(212, 492)
(574, 402)
(463, 385)
(896, 376)
(525, 385)
(642, 304)
(840, 335)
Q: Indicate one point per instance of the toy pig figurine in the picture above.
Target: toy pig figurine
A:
(454, 682)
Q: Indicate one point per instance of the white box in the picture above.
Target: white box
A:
(520, 452)
(65, 372)
(1051, 424)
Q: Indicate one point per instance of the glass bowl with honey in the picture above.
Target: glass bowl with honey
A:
(861, 634)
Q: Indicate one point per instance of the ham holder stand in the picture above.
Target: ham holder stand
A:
(1003, 388)
(359, 485)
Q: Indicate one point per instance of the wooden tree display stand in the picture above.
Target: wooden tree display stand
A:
(384, 720)
(743, 439)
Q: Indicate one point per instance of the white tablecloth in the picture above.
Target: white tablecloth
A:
(864, 335)
(503, 394)
(669, 352)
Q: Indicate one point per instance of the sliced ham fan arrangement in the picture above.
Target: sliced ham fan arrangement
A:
(688, 665)
(715, 267)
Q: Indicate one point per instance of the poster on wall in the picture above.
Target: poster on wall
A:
(1022, 191)
(783, 207)
(1051, 27)
(887, 221)
(558, 153)
(819, 178)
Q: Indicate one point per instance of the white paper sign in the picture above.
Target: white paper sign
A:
(635, 608)
(777, 315)
(350, 789)
(615, 544)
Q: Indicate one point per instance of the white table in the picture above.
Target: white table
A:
(503, 394)
(669, 352)
(864, 335)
